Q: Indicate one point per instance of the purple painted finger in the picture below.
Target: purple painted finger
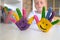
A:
(51, 17)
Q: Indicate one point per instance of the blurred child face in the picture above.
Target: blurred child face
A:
(39, 4)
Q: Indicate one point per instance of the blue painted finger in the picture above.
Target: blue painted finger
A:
(49, 12)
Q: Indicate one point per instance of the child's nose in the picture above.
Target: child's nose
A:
(39, 4)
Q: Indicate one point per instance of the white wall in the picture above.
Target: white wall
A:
(13, 4)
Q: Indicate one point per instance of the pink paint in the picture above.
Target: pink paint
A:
(36, 18)
(24, 12)
(13, 20)
(8, 16)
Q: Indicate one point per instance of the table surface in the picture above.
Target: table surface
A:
(11, 32)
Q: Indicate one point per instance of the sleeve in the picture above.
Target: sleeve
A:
(30, 15)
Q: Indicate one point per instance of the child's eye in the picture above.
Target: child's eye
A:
(41, 2)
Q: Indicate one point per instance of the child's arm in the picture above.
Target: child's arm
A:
(55, 18)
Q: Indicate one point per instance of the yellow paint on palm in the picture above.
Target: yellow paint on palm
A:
(44, 25)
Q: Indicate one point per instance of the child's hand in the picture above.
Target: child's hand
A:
(21, 21)
(45, 23)
(6, 14)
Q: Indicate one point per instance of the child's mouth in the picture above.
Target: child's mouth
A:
(42, 27)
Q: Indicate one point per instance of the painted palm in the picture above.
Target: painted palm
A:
(23, 23)
(20, 19)
(45, 23)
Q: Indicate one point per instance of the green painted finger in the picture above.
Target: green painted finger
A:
(55, 22)
(19, 12)
(43, 12)
(6, 10)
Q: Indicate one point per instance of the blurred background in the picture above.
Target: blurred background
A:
(55, 4)
(13, 4)
(29, 5)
